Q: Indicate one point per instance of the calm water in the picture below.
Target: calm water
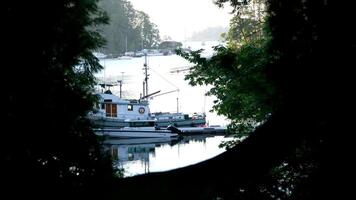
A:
(139, 156)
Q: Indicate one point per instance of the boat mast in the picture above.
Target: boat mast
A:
(143, 89)
(146, 75)
(120, 84)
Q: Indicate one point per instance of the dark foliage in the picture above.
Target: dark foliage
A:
(312, 74)
(47, 145)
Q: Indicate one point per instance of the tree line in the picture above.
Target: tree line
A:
(128, 29)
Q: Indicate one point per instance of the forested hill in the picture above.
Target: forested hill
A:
(209, 34)
(128, 29)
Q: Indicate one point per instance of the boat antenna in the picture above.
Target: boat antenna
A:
(120, 84)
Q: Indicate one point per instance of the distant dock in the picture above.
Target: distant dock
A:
(201, 130)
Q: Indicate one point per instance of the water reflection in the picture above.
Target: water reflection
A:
(139, 156)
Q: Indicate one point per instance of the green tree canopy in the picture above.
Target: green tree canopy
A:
(238, 72)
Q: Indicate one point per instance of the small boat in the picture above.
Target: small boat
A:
(165, 119)
(99, 55)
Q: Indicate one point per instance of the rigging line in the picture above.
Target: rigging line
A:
(164, 78)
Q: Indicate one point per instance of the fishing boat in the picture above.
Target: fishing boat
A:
(115, 112)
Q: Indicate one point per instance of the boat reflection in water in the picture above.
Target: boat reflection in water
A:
(144, 155)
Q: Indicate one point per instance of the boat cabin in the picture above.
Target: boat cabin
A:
(111, 106)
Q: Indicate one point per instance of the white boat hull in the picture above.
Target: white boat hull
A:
(112, 122)
(135, 133)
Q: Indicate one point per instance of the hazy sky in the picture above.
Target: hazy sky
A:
(180, 18)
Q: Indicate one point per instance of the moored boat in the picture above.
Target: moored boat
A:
(115, 112)
(165, 119)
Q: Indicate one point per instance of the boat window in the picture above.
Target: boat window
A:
(107, 100)
(103, 106)
(111, 110)
(130, 107)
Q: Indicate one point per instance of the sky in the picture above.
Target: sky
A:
(180, 18)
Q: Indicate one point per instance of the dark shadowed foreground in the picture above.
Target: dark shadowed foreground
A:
(303, 151)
